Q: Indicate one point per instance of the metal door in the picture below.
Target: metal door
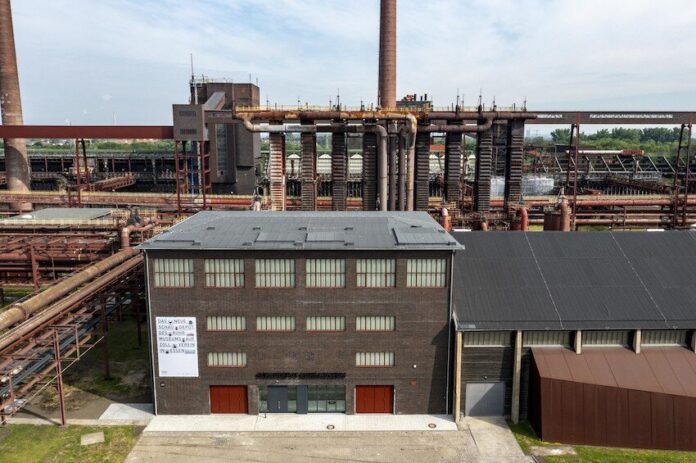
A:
(374, 399)
(485, 399)
(277, 399)
(228, 399)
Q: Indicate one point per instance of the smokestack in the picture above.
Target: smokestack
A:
(387, 55)
(17, 168)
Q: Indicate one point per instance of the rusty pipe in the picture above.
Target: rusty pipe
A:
(126, 232)
(65, 303)
(22, 310)
(17, 163)
(565, 216)
(458, 128)
(523, 215)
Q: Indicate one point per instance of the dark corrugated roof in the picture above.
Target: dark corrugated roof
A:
(666, 370)
(248, 230)
(555, 280)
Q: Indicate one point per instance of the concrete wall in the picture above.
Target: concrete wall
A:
(420, 342)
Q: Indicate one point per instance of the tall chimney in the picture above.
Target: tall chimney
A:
(17, 167)
(387, 55)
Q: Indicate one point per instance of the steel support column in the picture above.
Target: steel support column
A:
(277, 171)
(369, 168)
(513, 163)
(309, 171)
(339, 171)
(453, 166)
(422, 171)
(484, 159)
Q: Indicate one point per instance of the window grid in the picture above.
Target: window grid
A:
(325, 324)
(326, 273)
(426, 273)
(374, 359)
(226, 323)
(227, 359)
(173, 273)
(376, 273)
(275, 273)
(224, 273)
(375, 323)
(275, 323)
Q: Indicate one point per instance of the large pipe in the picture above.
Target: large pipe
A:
(320, 115)
(16, 160)
(386, 97)
(20, 311)
(65, 303)
(565, 216)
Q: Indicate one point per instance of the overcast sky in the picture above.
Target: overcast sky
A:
(93, 61)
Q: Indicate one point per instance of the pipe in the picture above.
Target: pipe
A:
(16, 160)
(386, 95)
(22, 310)
(126, 232)
(402, 172)
(67, 302)
(523, 215)
(458, 128)
(408, 160)
(323, 115)
(565, 216)
(484, 225)
(382, 162)
(446, 219)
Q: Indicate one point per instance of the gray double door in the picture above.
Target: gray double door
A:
(279, 400)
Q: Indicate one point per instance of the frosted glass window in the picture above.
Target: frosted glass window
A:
(326, 273)
(374, 359)
(275, 323)
(426, 273)
(665, 337)
(325, 324)
(275, 273)
(224, 273)
(227, 359)
(376, 273)
(225, 323)
(375, 323)
(173, 273)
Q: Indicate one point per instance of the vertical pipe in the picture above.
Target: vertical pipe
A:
(59, 377)
(565, 216)
(458, 377)
(402, 172)
(393, 156)
(578, 342)
(516, 377)
(411, 179)
(17, 167)
(382, 161)
(637, 341)
(386, 98)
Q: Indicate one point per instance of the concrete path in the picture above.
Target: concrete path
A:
(307, 423)
(477, 441)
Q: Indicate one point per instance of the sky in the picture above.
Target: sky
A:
(128, 61)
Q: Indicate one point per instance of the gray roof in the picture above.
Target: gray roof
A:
(248, 230)
(555, 280)
(65, 213)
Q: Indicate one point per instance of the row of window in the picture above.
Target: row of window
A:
(565, 338)
(362, 359)
(287, 323)
(320, 273)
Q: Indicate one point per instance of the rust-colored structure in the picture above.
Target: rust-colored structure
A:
(16, 160)
(387, 55)
(613, 397)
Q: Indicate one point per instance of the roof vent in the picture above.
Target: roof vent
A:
(302, 228)
(416, 226)
(210, 228)
(348, 243)
(349, 228)
(256, 228)
(246, 243)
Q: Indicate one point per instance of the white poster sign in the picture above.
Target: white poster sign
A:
(177, 347)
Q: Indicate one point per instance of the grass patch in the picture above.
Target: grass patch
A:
(23, 443)
(527, 438)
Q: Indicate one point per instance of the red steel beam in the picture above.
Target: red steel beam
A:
(156, 132)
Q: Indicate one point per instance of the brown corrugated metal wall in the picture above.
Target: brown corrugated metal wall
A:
(591, 414)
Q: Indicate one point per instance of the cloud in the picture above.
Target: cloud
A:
(601, 54)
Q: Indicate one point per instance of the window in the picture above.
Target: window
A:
(173, 273)
(224, 273)
(326, 399)
(225, 323)
(275, 323)
(376, 273)
(275, 273)
(546, 338)
(326, 273)
(375, 323)
(665, 337)
(325, 324)
(374, 359)
(227, 359)
(606, 338)
(426, 273)
(487, 338)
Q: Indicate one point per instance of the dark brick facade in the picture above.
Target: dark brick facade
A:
(420, 342)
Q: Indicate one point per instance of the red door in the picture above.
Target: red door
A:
(228, 399)
(374, 399)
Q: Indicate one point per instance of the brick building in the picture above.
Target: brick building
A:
(305, 312)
